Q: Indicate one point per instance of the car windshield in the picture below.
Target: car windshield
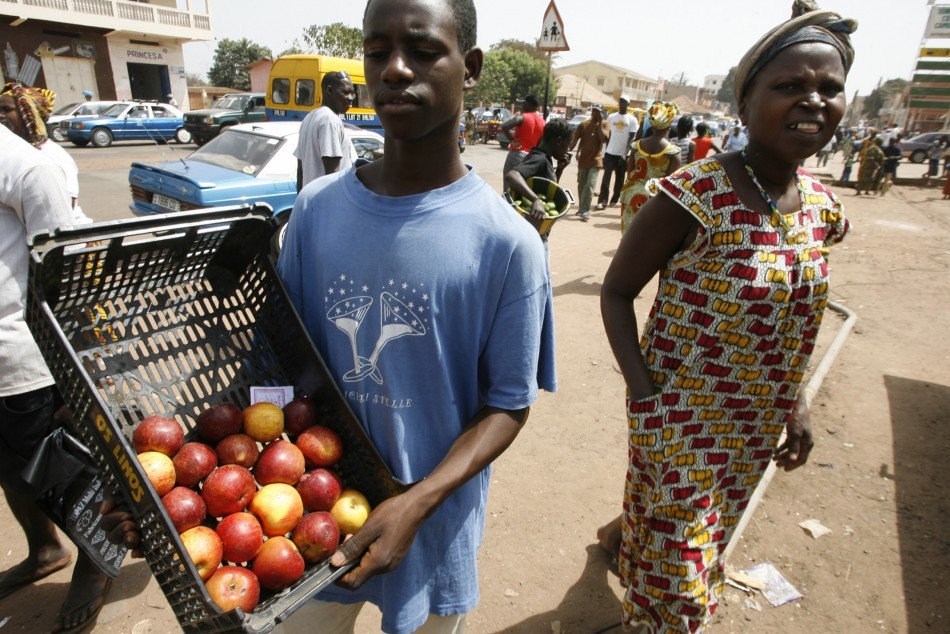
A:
(239, 151)
(115, 111)
(65, 109)
(230, 103)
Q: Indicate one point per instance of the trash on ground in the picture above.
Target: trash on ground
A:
(741, 580)
(814, 528)
(778, 591)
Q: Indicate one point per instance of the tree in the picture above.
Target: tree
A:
(679, 80)
(727, 92)
(230, 58)
(527, 74)
(495, 82)
(521, 45)
(879, 96)
(293, 50)
(194, 79)
(337, 40)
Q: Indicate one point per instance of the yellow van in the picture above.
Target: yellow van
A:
(294, 89)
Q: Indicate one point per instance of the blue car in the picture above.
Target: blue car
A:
(247, 163)
(127, 121)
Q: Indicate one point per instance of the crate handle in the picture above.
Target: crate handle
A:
(43, 241)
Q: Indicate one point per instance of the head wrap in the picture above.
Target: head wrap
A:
(34, 106)
(808, 24)
(662, 114)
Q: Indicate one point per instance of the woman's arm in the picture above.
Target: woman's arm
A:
(674, 163)
(691, 153)
(658, 231)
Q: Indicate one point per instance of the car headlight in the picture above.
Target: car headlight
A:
(78, 126)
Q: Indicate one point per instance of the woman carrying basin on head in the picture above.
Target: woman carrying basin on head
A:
(739, 241)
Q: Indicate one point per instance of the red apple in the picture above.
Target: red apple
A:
(219, 421)
(185, 508)
(278, 564)
(278, 507)
(316, 536)
(160, 434)
(299, 414)
(321, 446)
(241, 535)
(319, 489)
(228, 490)
(234, 587)
(160, 471)
(281, 461)
(239, 449)
(193, 462)
(204, 548)
(263, 422)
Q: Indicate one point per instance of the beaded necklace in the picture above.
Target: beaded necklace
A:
(765, 195)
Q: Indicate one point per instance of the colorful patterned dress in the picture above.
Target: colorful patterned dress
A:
(645, 167)
(727, 342)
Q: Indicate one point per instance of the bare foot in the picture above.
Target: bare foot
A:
(49, 560)
(609, 536)
(86, 596)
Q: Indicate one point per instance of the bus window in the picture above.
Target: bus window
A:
(281, 90)
(361, 99)
(304, 94)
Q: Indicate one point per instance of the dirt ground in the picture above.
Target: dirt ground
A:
(876, 478)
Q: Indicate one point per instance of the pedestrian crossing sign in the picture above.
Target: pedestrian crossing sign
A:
(552, 31)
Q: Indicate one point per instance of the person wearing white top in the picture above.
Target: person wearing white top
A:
(622, 128)
(322, 146)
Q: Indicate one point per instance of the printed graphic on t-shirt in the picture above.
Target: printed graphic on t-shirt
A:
(403, 312)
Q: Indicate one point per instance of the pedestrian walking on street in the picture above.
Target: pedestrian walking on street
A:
(621, 129)
(739, 242)
(704, 143)
(322, 145)
(892, 157)
(589, 139)
(869, 169)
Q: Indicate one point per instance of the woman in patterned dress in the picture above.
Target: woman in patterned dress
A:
(869, 171)
(650, 158)
(740, 243)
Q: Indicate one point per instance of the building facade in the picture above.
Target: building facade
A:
(615, 81)
(112, 48)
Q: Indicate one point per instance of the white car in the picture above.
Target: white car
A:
(57, 124)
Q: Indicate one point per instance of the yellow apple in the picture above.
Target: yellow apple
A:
(263, 422)
(278, 507)
(350, 511)
(205, 549)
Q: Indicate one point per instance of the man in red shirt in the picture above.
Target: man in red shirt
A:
(527, 129)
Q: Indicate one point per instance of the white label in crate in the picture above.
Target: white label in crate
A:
(279, 396)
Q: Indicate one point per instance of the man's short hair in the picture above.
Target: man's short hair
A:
(334, 78)
(556, 129)
(466, 22)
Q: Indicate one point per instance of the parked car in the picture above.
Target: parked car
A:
(247, 163)
(917, 148)
(576, 120)
(59, 121)
(127, 121)
(226, 111)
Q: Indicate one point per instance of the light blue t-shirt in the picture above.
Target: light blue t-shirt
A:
(426, 308)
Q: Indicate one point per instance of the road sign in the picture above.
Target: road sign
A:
(939, 23)
(552, 31)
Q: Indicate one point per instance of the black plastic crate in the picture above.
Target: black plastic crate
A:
(167, 316)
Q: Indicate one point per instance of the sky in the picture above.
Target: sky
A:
(698, 38)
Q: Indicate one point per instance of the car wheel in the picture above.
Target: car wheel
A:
(277, 240)
(80, 142)
(58, 134)
(503, 144)
(918, 156)
(199, 141)
(101, 137)
(182, 136)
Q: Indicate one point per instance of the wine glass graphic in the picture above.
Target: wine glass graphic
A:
(397, 320)
(347, 315)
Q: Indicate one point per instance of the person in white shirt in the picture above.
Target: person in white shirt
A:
(622, 129)
(33, 197)
(736, 140)
(323, 147)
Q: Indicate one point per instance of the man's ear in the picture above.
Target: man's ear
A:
(474, 59)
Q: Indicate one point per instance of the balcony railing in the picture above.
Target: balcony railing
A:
(135, 11)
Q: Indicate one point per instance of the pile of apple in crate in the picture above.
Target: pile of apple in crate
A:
(243, 495)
